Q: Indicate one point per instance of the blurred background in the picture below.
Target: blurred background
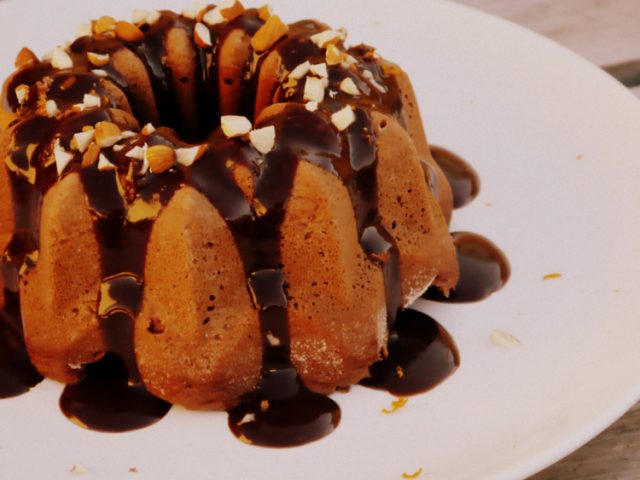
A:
(607, 33)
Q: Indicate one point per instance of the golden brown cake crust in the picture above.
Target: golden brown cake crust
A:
(337, 313)
(198, 335)
(60, 295)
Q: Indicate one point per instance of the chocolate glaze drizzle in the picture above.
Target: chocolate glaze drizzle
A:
(282, 411)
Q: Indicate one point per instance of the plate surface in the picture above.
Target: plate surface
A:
(557, 145)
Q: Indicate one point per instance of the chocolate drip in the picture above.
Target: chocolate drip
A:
(105, 401)
(17, 374)
(421, 355)
(484, 269)
(464, 181)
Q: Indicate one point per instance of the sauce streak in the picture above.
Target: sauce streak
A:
(421, 354)
(464, 181)
(106, 401)
(484, 269)
(17, 374)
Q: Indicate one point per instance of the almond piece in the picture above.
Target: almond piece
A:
(148, 129)
(334, 55)
(213, 17)
(104, 163)
(344, 118)
(265, 12)
(104, 25)
(22, 93)
(300, 71)
(161, 158)
(128, 32)
(82, 140)
(98, 59)
(188, 156)
(61, 59)
(202, 36)
(189, 13)
(100, 73)
(153, 17)
(235, 126)
(51, 108)
(91, 155)
(328, 37)
(263, 139)
(268, 34)
(311, 106)
(25, 57)
(320, 70)
(61, 156)
(349, 87)
(139, 17)
(84, 30)
(90, 100)
(137, 152)
(232, 11)
(314, 90)
(107, 134)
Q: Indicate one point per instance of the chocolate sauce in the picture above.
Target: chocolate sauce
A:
(124, 202)
(484, 269)
(464, 181)
(17, 374)
(106, 401)
(421, 354)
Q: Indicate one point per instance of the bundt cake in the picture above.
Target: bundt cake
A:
(216, 197)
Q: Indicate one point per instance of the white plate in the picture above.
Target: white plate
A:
(557, 145)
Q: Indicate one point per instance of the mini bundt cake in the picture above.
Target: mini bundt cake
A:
(277, 207)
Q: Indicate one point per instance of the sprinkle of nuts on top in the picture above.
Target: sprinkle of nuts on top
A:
(51, 108)
(22, 93)
(314, 90)
(128, 32)
(202, 35)
(98, 59)
(320, 70)
(139, 16)
(153, 17)
(344, 118)
(328, 37)
(349, 87)
(104, 25)
(188, 156)
(263, 139)
(300, 71)
(160, 157)
(214, 17)
(61, 156)
(104, 163)
(235, 126)
(265, 12)
(311, 106)
(25, 57)
(61, 59)
(107, 134)
(269, 33)
(82, 140)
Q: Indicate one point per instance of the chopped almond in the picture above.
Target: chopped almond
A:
(128, 32)
(202, 35)
(235, 126)
(344, 118)
(25, 57)
(268, 34)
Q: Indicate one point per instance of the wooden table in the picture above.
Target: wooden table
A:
(606, 32)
